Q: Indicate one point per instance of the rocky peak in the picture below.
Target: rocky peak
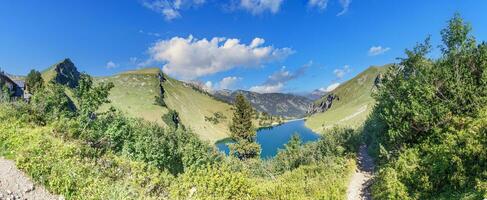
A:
(66, 73)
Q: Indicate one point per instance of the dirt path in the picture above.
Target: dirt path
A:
(14, 184)
(359, 186)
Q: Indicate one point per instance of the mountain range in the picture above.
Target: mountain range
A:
(280, 104)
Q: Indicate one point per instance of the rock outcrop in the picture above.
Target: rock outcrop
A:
(323, 105)
(66, 73)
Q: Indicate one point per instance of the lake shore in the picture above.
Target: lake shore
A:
(275, 137)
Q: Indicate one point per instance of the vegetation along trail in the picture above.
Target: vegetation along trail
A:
(359, 186)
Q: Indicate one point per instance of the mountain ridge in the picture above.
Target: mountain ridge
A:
(281, 104)
(346, 105)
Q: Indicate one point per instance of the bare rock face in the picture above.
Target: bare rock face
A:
(323, 105)
(66, 73)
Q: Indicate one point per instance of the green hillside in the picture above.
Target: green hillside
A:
(134, 94)
(193, 106)
(354, 104)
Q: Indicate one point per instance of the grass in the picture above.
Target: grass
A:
(193, 106)
(354, 105)
(48, 74)
(134, 94)
(71, 168)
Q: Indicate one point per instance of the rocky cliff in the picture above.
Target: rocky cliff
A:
(64, 73)
(322, 106)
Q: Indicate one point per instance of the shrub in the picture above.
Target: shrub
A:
(428, 127)
(52, 103)
(388, 186)
(291, 157)
(213, 182)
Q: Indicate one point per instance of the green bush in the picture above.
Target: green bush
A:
(213, 182)
(52, 103)
(324, 180)
(291, 157)
(388, 186)
(67, 168)
(428, 129)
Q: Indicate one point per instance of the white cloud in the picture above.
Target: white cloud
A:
(260, 6)
(377, 50)
(320, 4)
(275, 82)
(228, 82)
(340, 72)
(190, 58)
(170, 9)
(111, 65)
(280, 76)
(345, 4)
(330, 87)
(267, 88)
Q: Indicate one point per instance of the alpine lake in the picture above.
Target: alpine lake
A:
(273, 138)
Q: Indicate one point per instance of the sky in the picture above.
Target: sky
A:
(290, 46)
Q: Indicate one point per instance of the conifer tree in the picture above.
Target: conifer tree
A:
(243, 131)
(34, 81)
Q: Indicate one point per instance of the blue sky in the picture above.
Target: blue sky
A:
(261, 45)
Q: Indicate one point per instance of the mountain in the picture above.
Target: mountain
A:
(316, 94)
(347, 105)
(287, 105)
(64, 72)
(134, 94)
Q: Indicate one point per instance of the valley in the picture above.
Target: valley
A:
(243, 99)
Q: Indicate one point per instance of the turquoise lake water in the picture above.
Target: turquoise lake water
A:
(273, 138)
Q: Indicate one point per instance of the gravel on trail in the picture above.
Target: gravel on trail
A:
(359, 186)
(15, 185)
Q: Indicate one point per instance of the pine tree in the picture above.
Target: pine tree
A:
(34, 81)
(243, 131)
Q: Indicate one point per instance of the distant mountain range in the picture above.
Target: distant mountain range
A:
(287, 105)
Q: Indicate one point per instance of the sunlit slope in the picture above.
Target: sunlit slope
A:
(354, 104)
(134, 93)
(193, 106)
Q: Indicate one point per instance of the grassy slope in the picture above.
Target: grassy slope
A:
(354, 105)
(193, 106)
(134, 94)
(49, 73)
